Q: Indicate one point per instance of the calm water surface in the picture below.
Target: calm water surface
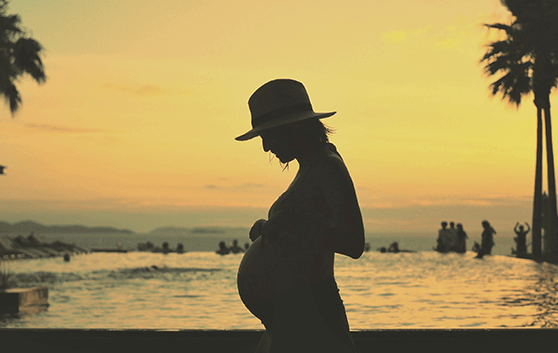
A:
(197, 290)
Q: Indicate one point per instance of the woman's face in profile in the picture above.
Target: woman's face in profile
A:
(279, 141)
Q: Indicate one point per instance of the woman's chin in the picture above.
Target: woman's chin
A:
(285, 159)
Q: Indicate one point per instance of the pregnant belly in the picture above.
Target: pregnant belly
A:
(276, 269)
(255, 275)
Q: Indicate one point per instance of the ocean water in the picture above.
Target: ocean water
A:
(197, 290)
(209, 241)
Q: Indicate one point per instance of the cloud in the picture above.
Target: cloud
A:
(463, 34)
(234, 187)
(61, 129)
(490, 200)
(403, 36)
(457, 37)
(145, 90)
(487, 200)
(251, 185)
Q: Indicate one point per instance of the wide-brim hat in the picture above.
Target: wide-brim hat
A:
(279, 102)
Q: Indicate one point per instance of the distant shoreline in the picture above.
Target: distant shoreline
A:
(195, 230)
(26, 227)
(30, 226)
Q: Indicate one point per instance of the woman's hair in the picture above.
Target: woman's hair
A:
(314, 128)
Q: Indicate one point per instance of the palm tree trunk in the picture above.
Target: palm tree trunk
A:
(537, 199)
(553, 214)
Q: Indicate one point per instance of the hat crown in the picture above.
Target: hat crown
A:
(279, 102)
(276, 97)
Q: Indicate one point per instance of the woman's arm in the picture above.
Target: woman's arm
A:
(344, 231)
(341, 231)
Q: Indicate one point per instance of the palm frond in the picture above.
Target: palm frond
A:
(513, 85)
(12, 96)
(500, 26)
(3, 6)
(5, 70)
(506, 55)
(495, 49)
(19, 55)
(9, 25)
(27, 60)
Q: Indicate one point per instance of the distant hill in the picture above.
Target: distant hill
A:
(195, 231)
(26, 227)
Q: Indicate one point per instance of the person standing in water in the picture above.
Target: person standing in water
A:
(443, 239)
(452, 238)
(235, 248)
(487, 238)
(223, 249)
(521, 239)
(461, 240)
(286, 277)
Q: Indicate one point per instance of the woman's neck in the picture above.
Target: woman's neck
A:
(306, 153)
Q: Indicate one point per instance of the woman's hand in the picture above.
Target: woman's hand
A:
(256, 229)
(280, 224)
(270, 229)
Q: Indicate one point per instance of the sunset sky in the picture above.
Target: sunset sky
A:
(135, 125)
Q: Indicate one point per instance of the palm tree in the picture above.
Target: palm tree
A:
(19, 55)
(527, 59)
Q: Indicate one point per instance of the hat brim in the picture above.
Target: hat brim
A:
(280, 122)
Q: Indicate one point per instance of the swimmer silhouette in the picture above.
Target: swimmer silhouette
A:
(286, 276)
(487, 238)
(443, 241)
(223, 248)
(461, 246)
(521, 239)
(234, 248)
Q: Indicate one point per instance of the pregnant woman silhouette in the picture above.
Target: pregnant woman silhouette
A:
(286, 278)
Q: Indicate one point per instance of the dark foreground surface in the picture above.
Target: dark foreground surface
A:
(136, 341)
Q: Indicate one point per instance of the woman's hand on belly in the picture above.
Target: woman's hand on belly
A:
(256, 229)
(280, 223)
(273, 229)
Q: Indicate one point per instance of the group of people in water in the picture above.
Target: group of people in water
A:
(451, 239)
(454, 239)
(233, 248)
(165, 249)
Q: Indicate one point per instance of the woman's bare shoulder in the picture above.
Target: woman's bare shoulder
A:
(334, 162)
(332, 168)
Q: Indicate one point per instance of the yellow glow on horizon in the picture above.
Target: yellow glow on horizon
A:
(143, 106)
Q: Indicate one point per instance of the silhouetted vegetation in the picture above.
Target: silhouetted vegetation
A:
(4, 274)
(19, 55)
(526, 59)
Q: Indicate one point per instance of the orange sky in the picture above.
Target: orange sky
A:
(144, 99)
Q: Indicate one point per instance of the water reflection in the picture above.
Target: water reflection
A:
(541, 294)
(197, 290)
